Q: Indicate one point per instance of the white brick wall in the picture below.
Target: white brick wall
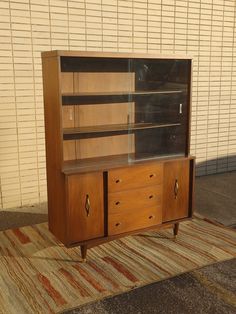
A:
(204, 29)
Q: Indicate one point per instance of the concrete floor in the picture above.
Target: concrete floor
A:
(215, 197)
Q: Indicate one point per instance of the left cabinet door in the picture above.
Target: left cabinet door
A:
(85, 207)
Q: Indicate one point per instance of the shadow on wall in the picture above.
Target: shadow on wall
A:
(217, 165)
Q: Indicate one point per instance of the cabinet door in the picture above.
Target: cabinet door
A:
(85, 207)
(176, 190)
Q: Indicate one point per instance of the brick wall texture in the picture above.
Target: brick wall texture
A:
(205, 30)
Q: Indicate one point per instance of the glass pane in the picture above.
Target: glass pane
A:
(161, 74)
(161, 108)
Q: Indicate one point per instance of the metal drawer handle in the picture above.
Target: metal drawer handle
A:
(176, 188)
(150, 196)
(87, 205)
(117, 203)
(118, 224)
(151, 217)
(118, 180)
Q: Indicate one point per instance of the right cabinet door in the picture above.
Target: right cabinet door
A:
(176, 190)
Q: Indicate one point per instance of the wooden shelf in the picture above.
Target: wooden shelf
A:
(113, 129)
(110, 97)
(106, 163)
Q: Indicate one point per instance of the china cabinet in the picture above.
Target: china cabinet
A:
(117, 144)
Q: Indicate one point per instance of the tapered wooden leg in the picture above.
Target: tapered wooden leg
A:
(176, 229)
(83, 250)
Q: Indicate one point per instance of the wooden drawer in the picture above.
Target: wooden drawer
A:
(146, 197)
(134, 177)
(134, 220)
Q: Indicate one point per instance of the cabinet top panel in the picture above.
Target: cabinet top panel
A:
(67, 53)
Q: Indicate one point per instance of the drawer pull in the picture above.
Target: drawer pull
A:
(118, 180)
(118, 224)
(151, 217)
(87, 205)
(150, 196)
(117, 203)
(176, 188)
(152, 175)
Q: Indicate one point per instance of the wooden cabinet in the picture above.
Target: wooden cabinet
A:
(117, 144)
(85, 216)
(176, 191)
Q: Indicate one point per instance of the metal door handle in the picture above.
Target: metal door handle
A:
(87, 205)
(176, 188)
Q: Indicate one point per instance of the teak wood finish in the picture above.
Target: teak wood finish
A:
(94, 193)
(176, 192)
(85, 192)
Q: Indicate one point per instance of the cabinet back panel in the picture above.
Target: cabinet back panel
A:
(68, 115)
(69, 150)
(104, 82)
(67, 82)
(104, 146)
(103, 114)
(80, 116)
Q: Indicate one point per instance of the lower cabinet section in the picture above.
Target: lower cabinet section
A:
(85, 215)
(108, 203)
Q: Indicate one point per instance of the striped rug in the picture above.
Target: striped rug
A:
(39, 275)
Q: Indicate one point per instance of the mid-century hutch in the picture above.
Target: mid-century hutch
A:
(117, 131)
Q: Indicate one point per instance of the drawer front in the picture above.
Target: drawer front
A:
(134, 220)
(147, 197)
(134, 177)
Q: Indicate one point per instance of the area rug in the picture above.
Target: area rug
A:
(39, 275)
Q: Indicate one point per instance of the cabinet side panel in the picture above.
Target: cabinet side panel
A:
(191, 187)
(189, 108)
(53, 135)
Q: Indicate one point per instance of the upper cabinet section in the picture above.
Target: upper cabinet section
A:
(135, 79)
(121, 107)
